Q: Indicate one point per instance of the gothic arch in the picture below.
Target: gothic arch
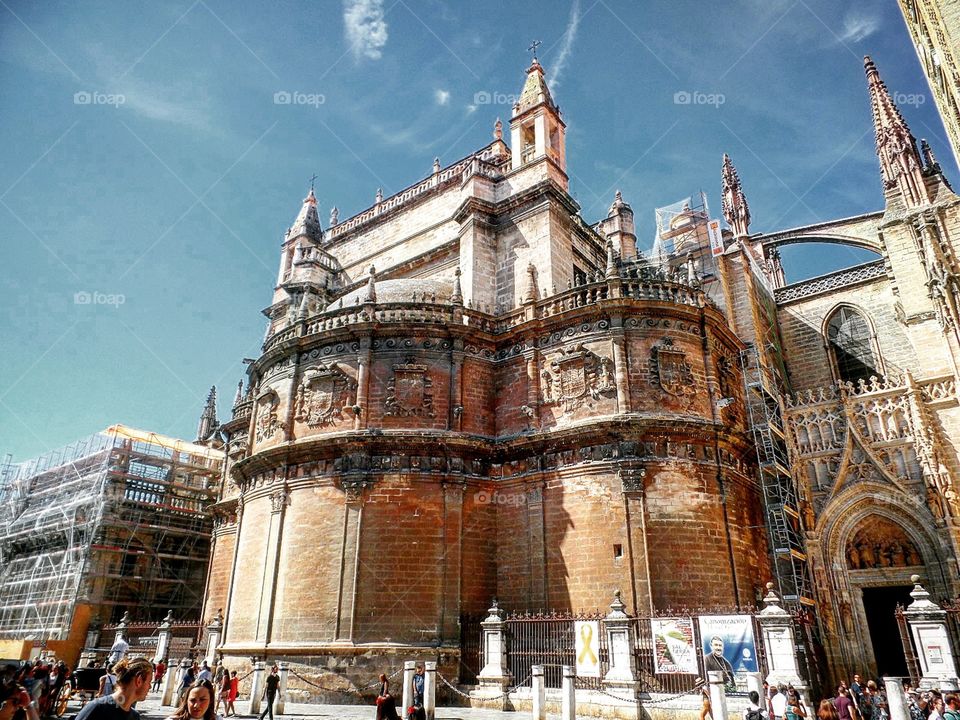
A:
(869, 356)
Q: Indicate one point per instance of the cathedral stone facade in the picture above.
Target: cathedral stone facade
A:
(468, 391)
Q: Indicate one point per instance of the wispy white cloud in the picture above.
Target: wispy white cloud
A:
(441, 96)
(566, 43)
(858, 25)
(365, 27)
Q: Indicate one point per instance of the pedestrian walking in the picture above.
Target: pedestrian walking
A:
(270, 687)
(386, 705)
(234, 691)
(158, 674)
(133, 680)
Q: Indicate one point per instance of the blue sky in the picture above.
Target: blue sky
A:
(148, 156)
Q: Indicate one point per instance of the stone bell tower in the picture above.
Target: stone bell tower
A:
(537, 133)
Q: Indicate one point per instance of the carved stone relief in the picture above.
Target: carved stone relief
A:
(880, 543)
(410, 391)
(268, 420)
(324, 393)
(672, 370)
(574, 375)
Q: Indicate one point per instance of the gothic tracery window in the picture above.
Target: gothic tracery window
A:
(851, 344)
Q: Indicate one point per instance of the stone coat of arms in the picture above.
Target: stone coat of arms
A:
(672, 370)
(575, 375)
(410, 391)
(324, 393)
(268, 421)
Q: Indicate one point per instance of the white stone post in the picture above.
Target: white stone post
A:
(928, 628)
(429, 689)
(214, 633)
(539, 688)
(282, 690)
(121, 627)
(494, 674)
(896, 699)
(718, 695)
(409, 668)
(163, 638)
(755, 683)
(568, 694)
(171, 681)
(776, 625)
(256, 687)
(621, 678)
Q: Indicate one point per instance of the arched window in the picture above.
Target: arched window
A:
(851, 343)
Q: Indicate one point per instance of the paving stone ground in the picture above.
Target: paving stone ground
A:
(150, 710)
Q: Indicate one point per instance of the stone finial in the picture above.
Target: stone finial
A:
(379, 198)
(334, 216)
(617, 607)
(238, 398)
(498, 130)
(532, 294)
(125, 620)
(494, 613)
(371, 296)
(734, 203)
(436, 165)
(167, 620)
(612, 271)
(772, 606)
(304, 305)
(457, 296)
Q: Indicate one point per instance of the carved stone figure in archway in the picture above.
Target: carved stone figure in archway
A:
(880, 543)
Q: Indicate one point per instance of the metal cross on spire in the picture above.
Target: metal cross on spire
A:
(312, 180)
(533, 47)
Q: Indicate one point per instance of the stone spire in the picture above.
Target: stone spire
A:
(208, 418)
(735, 209)
(456, 297)
(533, 293)
(535, 90)
(239, 396)
(304, 305)
(307, 222)
(901, 166)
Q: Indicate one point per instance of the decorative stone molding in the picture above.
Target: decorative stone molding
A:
(830, 283)
(278, 500)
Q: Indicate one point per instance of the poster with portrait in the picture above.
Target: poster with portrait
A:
(674, 648)
(728, 646)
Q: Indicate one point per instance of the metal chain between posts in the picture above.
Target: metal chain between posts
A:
(486, 698)
(354, 690)
(653, 703)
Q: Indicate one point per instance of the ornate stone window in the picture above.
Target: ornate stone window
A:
(852, 345)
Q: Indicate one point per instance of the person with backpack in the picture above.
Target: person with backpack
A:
(754, 711)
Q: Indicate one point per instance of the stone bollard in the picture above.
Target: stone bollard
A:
(430, 689)
(620, 680)
(539, 690)
(718, 695)
(568, 694)
(494, 676)
(256, 687)
(409, 667)
(214, 633)
(171, 681)
(282, 690)
(896, 700)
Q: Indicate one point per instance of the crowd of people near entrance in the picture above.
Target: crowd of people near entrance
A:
(857, 700)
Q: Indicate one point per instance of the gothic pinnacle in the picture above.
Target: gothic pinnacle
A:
(239, 396)
(734, 203)
(456, 297)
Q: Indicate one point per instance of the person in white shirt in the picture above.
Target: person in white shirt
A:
(119, 650)
(778, 703)
(205, 673)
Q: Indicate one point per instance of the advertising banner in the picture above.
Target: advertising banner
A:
(674, 649)
(728, 645)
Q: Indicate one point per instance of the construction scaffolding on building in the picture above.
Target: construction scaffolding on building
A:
(117, 521)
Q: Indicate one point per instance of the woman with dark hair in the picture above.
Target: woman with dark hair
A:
(223, 690)
(134, 678)
(386, 705)
(198, 703)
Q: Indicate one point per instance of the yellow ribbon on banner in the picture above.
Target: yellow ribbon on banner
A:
(586, 655)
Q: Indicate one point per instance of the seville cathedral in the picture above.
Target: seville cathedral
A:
(467, 391)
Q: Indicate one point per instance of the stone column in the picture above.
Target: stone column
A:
(718, 695)
(214, 633)
(896, 700)
(256, 687)
(539, 691)
(282, 690)
(776, 625)
(409, 668)
(568, 694)
(755, 683)
(928, 628)
(164, 633)
(171, 681)
(429, 689)
(621, 678)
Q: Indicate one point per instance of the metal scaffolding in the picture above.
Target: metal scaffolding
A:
(117, 521)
